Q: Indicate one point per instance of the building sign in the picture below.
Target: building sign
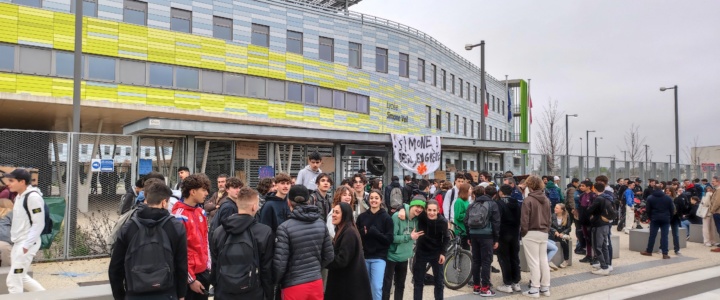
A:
(266, 172)
(247, 150)
(708, 167)
(393, 113)
(418, 154)
(107, 165)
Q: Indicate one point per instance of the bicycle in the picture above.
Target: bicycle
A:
(458, 265)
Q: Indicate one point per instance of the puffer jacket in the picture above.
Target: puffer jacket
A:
(559, 228)
(195, 222)
(302, 248)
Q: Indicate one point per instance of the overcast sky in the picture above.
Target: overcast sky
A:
(604, 60)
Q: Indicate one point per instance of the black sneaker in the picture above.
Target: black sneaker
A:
(494, 270)
(580, 252)
(594, 262)
(586, 259)
(476, 290)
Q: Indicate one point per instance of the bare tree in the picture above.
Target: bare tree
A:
(551, 137)
(693, 152)
(634, 145)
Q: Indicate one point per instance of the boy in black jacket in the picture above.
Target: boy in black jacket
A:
(509, 242)
(430, 249)
(152, 214)
(236, 224)
(276, 209)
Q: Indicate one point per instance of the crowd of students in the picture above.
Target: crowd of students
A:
(286, 241)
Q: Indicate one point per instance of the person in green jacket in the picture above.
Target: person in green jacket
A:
(404, 236)
(461, 205)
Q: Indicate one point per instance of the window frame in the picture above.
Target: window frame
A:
(86, 73)
(25, 4)
(260, 30)
(457, 124)
(289, 39)
(464, 126)
(359, 55)
(404, 65)
(462, 85)
(475, 93)
(434, 74)
(181, 14)
(449, 120)
(218, 22)
(176, 70)
(72, 8)
(137, 6)
(381, 55)
(443, 74)
(421, 69)
(452, 82)
(149, 77)
(438, 119)
(331, 44)
(429, 116)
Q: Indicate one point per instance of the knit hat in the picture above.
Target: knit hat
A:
(417, 202)
(299, 194)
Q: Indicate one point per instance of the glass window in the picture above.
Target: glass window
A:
(472, 128)
(132, 72)
(462, 85)
(127, 151)
(234, 84)
(493, 102)
(89, 7)
(7, 57)
(276, 89)
(36, 3)
(452, 83)
(475, 93)
(83, 149)
(449, 120)
(310, 94)
(490, 127)
(434, 74)
(101, 68)
(355, 55)
(467, 87)
(421, 69)
(429, 116)
(294, 91)
(106, 150)
(457, 124)
(222, 28)
(65, 63)
(404, 65)
(256, 87)
(338, 99)
(443, 78)
(464, 126)
(161, 75)
(35, 61)
(351, 102)
(260, 35)
(295, 42)
(326, 49)
(325, 97)
(181, 20)
(187, 78)
(503, 107)
(212, 82)
(438, 120)
(135, 12)
(362, 104)
(381, 60)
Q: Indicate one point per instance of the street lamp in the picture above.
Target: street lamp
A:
(596, 138)
(567, 143)
(677, 135)
(587, 150)
(469, 47)
(646, 161)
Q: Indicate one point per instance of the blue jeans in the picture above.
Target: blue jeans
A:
(675, 228)
(686, 224)
(664, 226)
(551, 249)
(376, 271)
(716, 218)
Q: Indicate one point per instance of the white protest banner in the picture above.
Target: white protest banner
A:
(418, 154)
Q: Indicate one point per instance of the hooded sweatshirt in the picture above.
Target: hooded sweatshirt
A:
(535, 213)
(264, 240)
(509, 216)
(379, 236)
(275, 211)
(552, 185)
(597, 207)
(436, 238)
(401, 248)
(307, 177)
(22, 232)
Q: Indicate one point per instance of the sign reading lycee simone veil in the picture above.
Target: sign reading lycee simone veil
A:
(419, 154)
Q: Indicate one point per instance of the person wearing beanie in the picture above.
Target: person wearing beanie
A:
(376, 231)
(301, 277)
(405, 234)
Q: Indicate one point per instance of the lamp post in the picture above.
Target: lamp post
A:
(469, 47)
(567, 143)
(596, 138)
(669, 167)
(587, 150)
(677, 134)
(646, 161)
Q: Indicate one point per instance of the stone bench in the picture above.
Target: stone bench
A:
(696, 235)
(3, 274)
(615, 241)
(93, 292)
(639, 239)
(557, 259)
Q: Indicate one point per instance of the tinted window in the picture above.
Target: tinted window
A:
(310, 94)
(132, 72)
(381, 60)
(222, 28)
(7, 57)
(36, 3)
(89, 7)
(260, 35)
(355, 55)
(234, 84)
(362, 104)
(187, 78)
(404, 65)
(276, 90)
(63, 64)
(294, 91)
(212, 82)
(294, 42)
(351, 102)
(161, 75)
(135, 12)
(326, 48)
(325, 98)
(101, 68)
(338, 99)
(256, 87)
(181, 20)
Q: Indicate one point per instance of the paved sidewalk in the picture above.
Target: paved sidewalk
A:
(573, 281)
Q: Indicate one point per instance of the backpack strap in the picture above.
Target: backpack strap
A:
(25, 206)
(256, 255)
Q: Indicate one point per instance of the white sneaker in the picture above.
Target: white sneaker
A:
(531, 294)
(564, 264)
(708, 244)
(610, 268)
(553, 267)
(516, 287)
(627, 231)
(505, 289)
(603, 272)
(596, 265)
(545, 292)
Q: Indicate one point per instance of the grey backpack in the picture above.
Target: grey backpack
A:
(478, 215)
(396, 198)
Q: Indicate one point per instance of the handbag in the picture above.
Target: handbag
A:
(702, 211)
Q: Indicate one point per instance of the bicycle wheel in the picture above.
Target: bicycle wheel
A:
(457, 269)
(411, 264)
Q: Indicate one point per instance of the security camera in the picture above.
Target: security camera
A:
(468, 47)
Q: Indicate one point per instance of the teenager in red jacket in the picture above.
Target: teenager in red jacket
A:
(194, 191)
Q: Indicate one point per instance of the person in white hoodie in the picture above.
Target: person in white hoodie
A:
(25, 231)
(448, 207)
(307, 175)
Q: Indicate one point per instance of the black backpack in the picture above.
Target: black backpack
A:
(149, 263)
(238, 263)
(48, 221)
(608, 212)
